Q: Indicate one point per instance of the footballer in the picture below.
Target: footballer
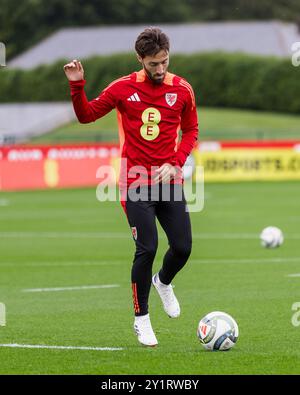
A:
(152, 106)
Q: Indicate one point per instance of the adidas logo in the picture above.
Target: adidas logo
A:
(134, 97)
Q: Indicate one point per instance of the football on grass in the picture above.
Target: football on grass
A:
(271, 237)
(217, 331)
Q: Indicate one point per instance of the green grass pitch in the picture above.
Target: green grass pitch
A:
(66, 238)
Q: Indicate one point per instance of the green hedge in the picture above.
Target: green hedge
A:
(218, 79)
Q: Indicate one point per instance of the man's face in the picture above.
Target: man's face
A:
(156, 66)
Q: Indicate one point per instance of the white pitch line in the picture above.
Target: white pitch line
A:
(293, 275)
(65, 235)
(122, 262)
(63, 264)
(15, 345)
(226, 236)
(118, 235)
(70, 288)
(252, 260)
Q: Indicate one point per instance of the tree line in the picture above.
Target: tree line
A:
(24, 23)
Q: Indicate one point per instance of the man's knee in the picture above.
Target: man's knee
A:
(148, 251)
(182, 249)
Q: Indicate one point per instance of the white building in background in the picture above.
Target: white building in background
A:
(260, 38)
(21, 121)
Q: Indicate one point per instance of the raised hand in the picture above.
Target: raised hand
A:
(74, 71)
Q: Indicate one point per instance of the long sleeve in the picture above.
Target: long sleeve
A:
(89, 111)
(189, 127)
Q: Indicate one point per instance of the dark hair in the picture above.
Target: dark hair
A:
(151, 41)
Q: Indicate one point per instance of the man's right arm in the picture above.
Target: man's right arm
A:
(86, 111)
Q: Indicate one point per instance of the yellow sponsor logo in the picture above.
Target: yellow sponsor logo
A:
(249, 164)
(150, 129)
(51, 172)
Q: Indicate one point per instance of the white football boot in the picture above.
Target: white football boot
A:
(166, 293)
(143, 329)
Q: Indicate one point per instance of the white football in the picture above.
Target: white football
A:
(217, 331)
(271, 237)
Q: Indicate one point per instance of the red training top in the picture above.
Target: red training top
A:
(149, 116)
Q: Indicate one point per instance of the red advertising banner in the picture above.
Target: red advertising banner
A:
(71, 166)
(34, 167)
